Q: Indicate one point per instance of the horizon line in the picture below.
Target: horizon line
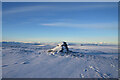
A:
(62, 41)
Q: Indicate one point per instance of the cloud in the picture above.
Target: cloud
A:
(87, 26)
(24, 9)
(61, 7)
(50, 24)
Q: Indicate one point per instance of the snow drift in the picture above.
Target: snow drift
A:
(32, 61)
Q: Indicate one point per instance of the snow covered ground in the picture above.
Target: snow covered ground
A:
(23, 60)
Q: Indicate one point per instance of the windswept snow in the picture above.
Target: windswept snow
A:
(34, 61)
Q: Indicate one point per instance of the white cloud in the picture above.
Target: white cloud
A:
(57, 8)
(77, 25)
(24, 9)
(49, 24)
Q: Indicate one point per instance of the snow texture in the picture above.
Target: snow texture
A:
(23, 60)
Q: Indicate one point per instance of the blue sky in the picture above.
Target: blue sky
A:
(55, 22)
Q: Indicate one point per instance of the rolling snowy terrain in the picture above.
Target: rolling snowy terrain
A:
(28, 60)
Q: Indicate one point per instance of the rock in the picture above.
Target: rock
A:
(62, 48)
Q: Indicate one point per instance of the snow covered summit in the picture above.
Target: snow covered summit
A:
(62, 48)
(34, 61)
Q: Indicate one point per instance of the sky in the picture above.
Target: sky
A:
(91, 22)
